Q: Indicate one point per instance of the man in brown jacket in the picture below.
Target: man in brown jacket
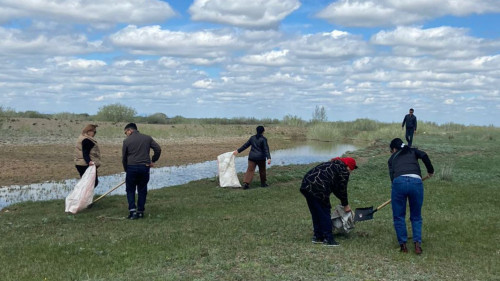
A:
(137, 163)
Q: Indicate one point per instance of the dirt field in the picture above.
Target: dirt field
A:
(38, 150)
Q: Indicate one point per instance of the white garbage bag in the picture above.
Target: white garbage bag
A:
(342, 221)
(83, 194)
(227, 170)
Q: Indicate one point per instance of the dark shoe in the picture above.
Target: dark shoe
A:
(140, 215)
(264, 185)
(403, 249)
(418, 249)
(317, 240)
(330, 243)
(132, 215)
(246, 186)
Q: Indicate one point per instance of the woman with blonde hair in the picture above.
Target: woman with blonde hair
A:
(87, 151)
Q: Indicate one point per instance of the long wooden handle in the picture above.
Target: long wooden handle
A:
(111, 190)
(384, 204)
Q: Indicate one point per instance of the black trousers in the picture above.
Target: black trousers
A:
(81, 170)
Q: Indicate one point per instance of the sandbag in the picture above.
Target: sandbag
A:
(83, 193)
(227, 170)
(342, 221)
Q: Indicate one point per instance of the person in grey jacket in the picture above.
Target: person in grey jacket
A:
(257, 157)
(411, 126)
(137, 163)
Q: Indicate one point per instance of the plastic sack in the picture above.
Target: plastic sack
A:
(227, 170)
(342, 221)
(83, 194)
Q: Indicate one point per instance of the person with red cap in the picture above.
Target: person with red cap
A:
(317, 185)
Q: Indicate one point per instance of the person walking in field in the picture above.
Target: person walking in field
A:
(407, 185)
(137, 163)
(87, 151)
(259, 152)
(317, 185)
(411, 126)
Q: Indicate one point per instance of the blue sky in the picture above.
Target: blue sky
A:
(262, 58)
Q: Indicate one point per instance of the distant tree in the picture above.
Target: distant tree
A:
(157, 118)
(116, 113)
(293, 120)
(319, 115)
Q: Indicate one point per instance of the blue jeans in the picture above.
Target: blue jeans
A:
(411, 189)
(321, 218)
(409, 135)
(137, 178)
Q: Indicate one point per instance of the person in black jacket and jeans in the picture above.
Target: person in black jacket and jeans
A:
(257, 157)
(407, 185)
(411, 126)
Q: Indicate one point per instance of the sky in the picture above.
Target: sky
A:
(262, 58)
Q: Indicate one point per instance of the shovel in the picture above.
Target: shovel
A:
(108, 192)
(363, 214)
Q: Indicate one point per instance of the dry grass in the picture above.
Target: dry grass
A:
(36, 150)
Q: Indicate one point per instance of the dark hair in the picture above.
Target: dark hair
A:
(260, 130)
(131, 126)
(411, 109)
(398, 144)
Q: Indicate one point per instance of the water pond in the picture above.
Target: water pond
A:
(170, 176)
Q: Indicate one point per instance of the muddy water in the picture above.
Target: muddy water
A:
(170, 176)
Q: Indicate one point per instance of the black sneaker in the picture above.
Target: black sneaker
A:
(132, 215)
(316, 240)
(264, 185)
(140, 215)
(330, 243)
(246, 186)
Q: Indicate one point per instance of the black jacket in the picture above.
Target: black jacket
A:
(405, 161)
(324, 179)
(410, 120)
(259, 150)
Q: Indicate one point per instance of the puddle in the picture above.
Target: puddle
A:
(170, 176)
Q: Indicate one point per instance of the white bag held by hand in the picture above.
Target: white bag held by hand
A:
(342, 221)
(227, 170)
(83, 193)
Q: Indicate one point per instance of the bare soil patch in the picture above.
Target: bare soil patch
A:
(38, 150)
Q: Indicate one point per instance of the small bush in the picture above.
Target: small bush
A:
(157, 118)
(116, 113)
(446, 173)
(293, 120)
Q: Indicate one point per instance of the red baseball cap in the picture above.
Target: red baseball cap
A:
(348, 161)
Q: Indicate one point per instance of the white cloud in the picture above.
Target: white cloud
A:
(371, 13)
(154, 40)
(203, 84)
(272, 58)
(330, 45)
(243, 13)
(15, 41)
(91, 12)
(440, 41)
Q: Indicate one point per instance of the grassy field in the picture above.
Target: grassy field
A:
(198, 231)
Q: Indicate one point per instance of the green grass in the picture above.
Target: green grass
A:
(198, 231)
